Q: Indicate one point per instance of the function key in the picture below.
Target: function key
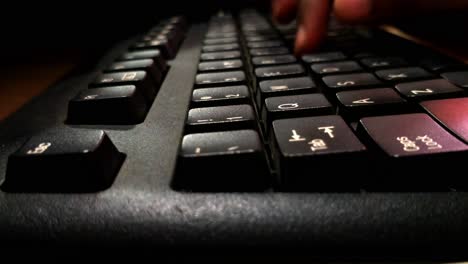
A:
(452, 113)
(220, 41)
(403, 74)
(271, 60)
(428, 89)
(220, 78)
(88, 158)
(220, 65)
(220, 47)
(146, 54)
(226, 55)
(279, 71)
(350, 81)
(336, 67)
(236, 155)
(139, 79)
(147, 65)
(384, 62)
(323, 57)
(459, 78)
(382, 101)
(109, 105)
(269, 51)
(324, 141)
(218, 96)
(221, 118)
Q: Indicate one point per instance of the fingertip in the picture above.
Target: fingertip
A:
(305, 42)
(353, 11)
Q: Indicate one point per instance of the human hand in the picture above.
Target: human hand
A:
(313, 14)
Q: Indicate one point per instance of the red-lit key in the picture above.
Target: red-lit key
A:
(452, 113)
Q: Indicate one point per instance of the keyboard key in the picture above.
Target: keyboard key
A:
(451, 113)
(147, 54)
(265, 44)
(403, 74)
(313, 151)
(220, 65)
(220, 47)
(387, 62)
(431, 89)
(109, 105)
(261, 38)
(381, 101)
(271, 60)
(459, 78)
(217, 35)
(351, 81)
(220, 78)
(221, 118)
(279, 71)
(282, 87)
(162, 44)
(269, 51)
(225, 55)
(220, 41)
(222, 161)
(139, 79)
(230, 95)
(336, 67)
(323, 57)
(147, 65)
(68, 160)
(440, 64)
(295, 106)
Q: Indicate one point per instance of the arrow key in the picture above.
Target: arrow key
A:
(360, 103)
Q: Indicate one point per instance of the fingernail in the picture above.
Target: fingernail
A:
(300, 40)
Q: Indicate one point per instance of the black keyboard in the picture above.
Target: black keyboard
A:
(213, 134)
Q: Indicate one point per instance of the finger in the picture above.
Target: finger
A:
(354, 11)
(284, 10)
(313, 23)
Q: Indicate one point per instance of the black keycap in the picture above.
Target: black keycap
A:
(381, 101)
(220, 78)
(230, 95)
(295, 106)
(220, 41)
(63, 160)
(419, 152)
(109, 105)
(440, 64)
(161, 44)
(282, 87)
(221, 118)
(217, 35)
(350, 81)
(323, 57)
(220, 65)
(279, 71)
(139, 79)
(431, 89)
(383, 62)
(271, 60)
(222, 161)
(265, 44)
(269, 51)
(262, 38)
(313, 151)
(225, 55)
(336, 67)
(459, 78)
(403, 74)
(220, 47)
(147, 54)
(451, 113)
(147, 65)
